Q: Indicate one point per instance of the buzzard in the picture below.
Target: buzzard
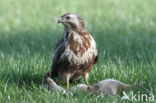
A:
(75, 53)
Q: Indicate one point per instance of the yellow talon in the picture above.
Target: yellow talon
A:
(87, 83)
(67, 84)
(86, 78)
(67, 80)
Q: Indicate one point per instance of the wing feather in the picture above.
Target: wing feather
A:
(59, 42)
(59, 49)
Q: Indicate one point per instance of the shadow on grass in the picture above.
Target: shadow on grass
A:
(120, 44)
(21, 79)
(125, 47)
(27, 42)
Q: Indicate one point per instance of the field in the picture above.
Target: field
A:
(124, 30)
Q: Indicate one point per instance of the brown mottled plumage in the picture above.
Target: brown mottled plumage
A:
(76, 52)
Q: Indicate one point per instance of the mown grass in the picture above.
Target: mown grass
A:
(125, 32)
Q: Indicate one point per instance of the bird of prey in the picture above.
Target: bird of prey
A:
(75, 53)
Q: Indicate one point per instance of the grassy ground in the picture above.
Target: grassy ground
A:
(125, 32)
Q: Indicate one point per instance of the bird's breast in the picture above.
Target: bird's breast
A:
(80, 50)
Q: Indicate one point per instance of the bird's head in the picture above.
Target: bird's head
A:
(72, 21)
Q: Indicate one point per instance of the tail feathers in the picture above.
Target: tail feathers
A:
(54, 74)
(47, 79)
(46, 76)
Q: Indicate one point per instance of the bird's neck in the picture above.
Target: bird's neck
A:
(68, 32)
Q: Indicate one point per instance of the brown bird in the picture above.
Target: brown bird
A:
(76, 52)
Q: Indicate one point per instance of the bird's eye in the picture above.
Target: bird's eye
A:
(67, 17)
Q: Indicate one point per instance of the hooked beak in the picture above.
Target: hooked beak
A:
(59, 21)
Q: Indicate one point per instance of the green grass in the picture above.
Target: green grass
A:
(125, 32)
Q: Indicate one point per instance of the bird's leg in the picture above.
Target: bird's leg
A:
(86, 75)
(67, 77)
